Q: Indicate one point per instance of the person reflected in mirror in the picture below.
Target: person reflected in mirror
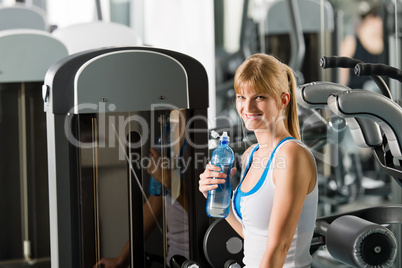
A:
(365, 44)
(169, 194)
(151, 211)
(274, 207)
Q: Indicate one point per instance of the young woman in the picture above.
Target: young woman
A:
(274, 207)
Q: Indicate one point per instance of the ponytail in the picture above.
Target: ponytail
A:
(292, 118)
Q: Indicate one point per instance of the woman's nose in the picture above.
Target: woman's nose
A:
(248, 105)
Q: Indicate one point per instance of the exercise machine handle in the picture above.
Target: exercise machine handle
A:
(338, 62)
(378, 69)
(346, 62)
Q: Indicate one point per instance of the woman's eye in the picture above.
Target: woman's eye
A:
(260, 97)
(239, 97)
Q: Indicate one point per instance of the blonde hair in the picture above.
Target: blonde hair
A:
(267, 75)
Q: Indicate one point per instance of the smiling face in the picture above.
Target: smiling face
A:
(259, 111)
(265, 95)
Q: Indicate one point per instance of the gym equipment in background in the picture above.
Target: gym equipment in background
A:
(223, 247)
(386, 113)
(103, 108)
(20, 16)
(25, 56)
(95, 35)
(358, 238)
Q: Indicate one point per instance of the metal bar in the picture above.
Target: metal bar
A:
(22, 132)
(298, 48)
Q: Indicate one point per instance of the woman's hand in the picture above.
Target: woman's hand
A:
(109, 263)
(207, 181)
(122, 261)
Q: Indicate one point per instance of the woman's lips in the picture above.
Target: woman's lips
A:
(252, 116)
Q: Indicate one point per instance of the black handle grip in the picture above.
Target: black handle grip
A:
(338, 62)
(346, 62)
(378, 69)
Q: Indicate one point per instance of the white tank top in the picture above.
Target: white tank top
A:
(255, 212)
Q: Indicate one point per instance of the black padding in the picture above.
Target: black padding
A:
(360, 243)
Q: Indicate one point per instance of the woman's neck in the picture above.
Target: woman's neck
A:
(269, 138)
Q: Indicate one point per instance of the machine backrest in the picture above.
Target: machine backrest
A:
(95, 35)
(276, 22)
(22, 17)
(26, 55)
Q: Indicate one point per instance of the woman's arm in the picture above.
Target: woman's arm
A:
(233, 222)
(292, 183)
(165, 176)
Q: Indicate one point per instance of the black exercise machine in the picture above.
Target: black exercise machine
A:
(104, 108)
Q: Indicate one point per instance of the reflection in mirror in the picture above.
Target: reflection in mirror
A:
(167, 186)
(134, 175)
(103, 179)
(133, 184)
(361, 36)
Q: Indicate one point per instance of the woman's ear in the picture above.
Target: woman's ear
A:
(285, 99)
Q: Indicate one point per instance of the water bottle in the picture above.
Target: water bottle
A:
(218, 200)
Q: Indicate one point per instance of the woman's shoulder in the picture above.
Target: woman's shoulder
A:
(247, 153)
(297, 163)
(250, 148)
(297, 150)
